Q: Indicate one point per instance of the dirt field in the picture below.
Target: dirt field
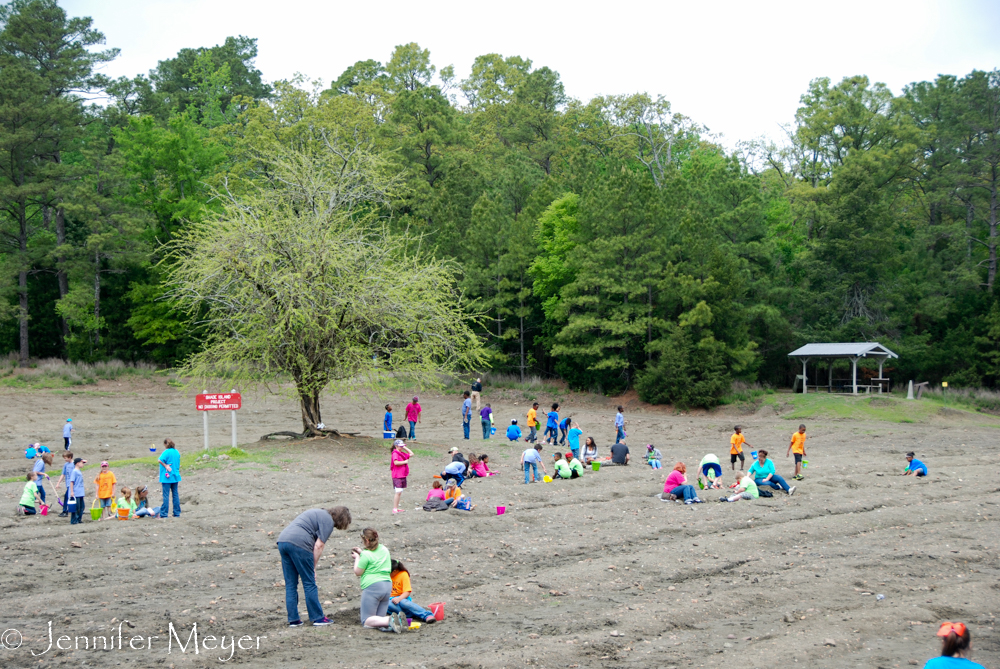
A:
(586, 573)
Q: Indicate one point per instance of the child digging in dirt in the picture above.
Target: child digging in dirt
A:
(914, 467)
(126, 505)
(798, 447)
(710, 472)
(400, 600)
(142, 504)
(746, 488)
(436, 491)
(29, 496)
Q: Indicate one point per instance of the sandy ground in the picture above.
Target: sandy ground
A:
(586, 573)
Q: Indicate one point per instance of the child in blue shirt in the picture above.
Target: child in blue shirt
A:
(552, 424)
(514, 431)
(387, 421)
(916, 467)
(564, 429)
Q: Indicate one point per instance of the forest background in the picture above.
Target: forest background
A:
(613, 243)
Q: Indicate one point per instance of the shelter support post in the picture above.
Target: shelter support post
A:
(829, 379)
(909, 390)
(805, 378)
(854, 376)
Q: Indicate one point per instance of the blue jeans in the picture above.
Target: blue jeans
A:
(65, 502)
(466, 424)
(170, 489)
(533, 466)
(776, 482)
(297, 562)
(77, 516)
(563, 432)
(550, 432)
(411, 610)
(41, 493)
(686, 491)
(620, 434)
(459, 479)
(486, 429)
(413, 429)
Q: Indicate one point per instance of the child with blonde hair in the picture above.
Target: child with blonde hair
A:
(142, 509)
(126, 505)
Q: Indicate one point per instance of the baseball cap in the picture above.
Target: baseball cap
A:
(69, 420)
(453, 449)
(399, 442)
(77, 461)
(569, 456)
(104, 464)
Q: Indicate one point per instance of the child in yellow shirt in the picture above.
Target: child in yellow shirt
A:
(105, 489)
(532, 423)
(798, 447)
(736, 447)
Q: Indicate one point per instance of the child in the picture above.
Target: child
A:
(513, 432)
(573, 437)
(452, 493)
(126, 503)
(105, 489)
(736, 447)
(562, 467)
(68, 434)
(531, 460)
(399, 470)
(915, 468)
(482, 466)
(387, 419)
(486, 418)
(29, 496)
(39, 469)
(400, 601)
(620, 424)
(532, 423)
(589, 450)
(76, 491)
(653, 456)
(575, 465)
(142, 504)
(711, 470)
(552, 424)
(564, 429)
(955, 648)
(470, 470)
(798, 447)
(455, 471)
(67, 471)
(745, 489)
(435, 491)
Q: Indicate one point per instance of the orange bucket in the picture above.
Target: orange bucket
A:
(438, 610)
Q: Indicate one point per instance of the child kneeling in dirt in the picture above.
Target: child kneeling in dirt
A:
(914, 467)
(400, 600)
(746, 488)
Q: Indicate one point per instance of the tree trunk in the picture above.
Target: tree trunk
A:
(993, 232)
(22, 286)
(61, 274)
(522, 341)
(970, 214)
(97, 299)
(309, 403)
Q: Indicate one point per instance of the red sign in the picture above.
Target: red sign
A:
(218, 402)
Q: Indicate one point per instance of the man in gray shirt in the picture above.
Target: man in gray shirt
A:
(300, 546)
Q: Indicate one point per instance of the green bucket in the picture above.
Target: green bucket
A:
(596, 466)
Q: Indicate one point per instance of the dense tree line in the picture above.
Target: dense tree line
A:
(611, 242)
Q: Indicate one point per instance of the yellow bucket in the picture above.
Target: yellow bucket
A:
(547, 479)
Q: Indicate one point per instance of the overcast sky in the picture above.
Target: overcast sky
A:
(737, 67)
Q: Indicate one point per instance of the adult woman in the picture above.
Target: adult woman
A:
(589, 450)
(372, 566)
(300, 546)
(676, 486)
(170, 476)
(955, 648)
(413, 416)
(763, 473)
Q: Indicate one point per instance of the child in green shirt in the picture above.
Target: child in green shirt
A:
(29, 496)
(126, 502)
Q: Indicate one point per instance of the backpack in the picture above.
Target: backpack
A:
(763, 492)
(401, 433)
(464, 504)
(435, 504)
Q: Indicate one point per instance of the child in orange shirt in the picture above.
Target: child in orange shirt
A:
(798, 447)
(532, 423)
(400, 601)
(105, 489)
(736, 447)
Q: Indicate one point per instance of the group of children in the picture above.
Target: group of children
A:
(447, 485)
(33, 496)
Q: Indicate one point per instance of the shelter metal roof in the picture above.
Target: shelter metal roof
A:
(843, 350)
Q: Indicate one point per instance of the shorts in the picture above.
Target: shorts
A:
(717, 468)
(733, 456)
(798, 457)
(105, 502)
(399, 484)
(920, 472)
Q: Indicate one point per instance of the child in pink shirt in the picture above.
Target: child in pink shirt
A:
(435, 491)
(481, 466)
(400, 469)
(676, 487)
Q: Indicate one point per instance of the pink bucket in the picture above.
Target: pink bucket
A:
(438, 610)
(45, 510)
(501, 510)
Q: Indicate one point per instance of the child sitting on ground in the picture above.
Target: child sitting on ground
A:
(126, 505)
(514, 431)
(142, 504)
(435, 491)
(29, 496)
(575, 465)
(400, 600)
(481, 466)
(746, 488)
(453, 494)
(653, 456)
(562, 467)
(915, 467)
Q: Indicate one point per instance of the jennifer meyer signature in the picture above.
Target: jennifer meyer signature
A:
(120, 640)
